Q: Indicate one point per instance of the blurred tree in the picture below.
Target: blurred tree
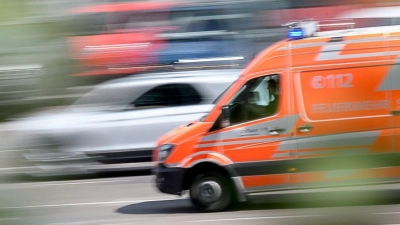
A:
(12, 10)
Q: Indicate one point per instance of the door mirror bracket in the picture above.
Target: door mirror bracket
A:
(225, 122)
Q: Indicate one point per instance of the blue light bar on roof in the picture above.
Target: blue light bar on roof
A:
(296, 33)
(303, 30)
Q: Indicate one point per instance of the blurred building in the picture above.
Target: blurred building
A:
(33, 36)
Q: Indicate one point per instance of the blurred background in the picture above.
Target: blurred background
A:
(51, 50)
(54, 52)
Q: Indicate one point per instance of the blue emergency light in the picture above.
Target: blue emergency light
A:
(299, 30)
(296, 33)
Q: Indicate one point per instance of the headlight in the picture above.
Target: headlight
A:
(164, 152)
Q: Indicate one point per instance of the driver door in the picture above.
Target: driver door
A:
(258, 138)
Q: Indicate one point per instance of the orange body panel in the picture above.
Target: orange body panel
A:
(266, 180)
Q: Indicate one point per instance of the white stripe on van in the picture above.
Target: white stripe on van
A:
(392, 79)
(330, 141)
(282, 122)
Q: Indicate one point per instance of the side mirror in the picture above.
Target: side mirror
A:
(225, 122)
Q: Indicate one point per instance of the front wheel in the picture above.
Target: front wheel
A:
(211, 192)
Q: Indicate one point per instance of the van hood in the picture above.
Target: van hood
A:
(185, 132)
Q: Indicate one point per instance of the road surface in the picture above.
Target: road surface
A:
(134, 200)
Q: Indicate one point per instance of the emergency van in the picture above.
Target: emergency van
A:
(319, 109)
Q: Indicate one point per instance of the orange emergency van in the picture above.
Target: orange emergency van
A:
(319, 109)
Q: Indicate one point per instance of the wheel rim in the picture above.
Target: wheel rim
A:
(210, 191)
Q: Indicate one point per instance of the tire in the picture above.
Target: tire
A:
(217, 192)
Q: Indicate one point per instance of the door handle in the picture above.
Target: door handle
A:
(276, 131)
(305, 128)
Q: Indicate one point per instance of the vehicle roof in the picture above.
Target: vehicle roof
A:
(359, 31)
(269, 59)
(353, 34)
(197, 76)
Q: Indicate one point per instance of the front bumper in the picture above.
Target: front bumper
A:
(169, 180)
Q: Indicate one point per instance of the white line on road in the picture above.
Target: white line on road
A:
(10, 218)
(33, 185)
(15, 150)
(387, 213)
(253, 218)
(118, 224)
(93, 221)
(83, 182)
(14, 168)
(86, 203)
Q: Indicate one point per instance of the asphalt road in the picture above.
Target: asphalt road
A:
(134, 200)
(131, 198)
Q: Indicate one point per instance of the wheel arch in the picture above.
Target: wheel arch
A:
(213, 166)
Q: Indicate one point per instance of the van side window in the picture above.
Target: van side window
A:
(257, 99)
(168, 95)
